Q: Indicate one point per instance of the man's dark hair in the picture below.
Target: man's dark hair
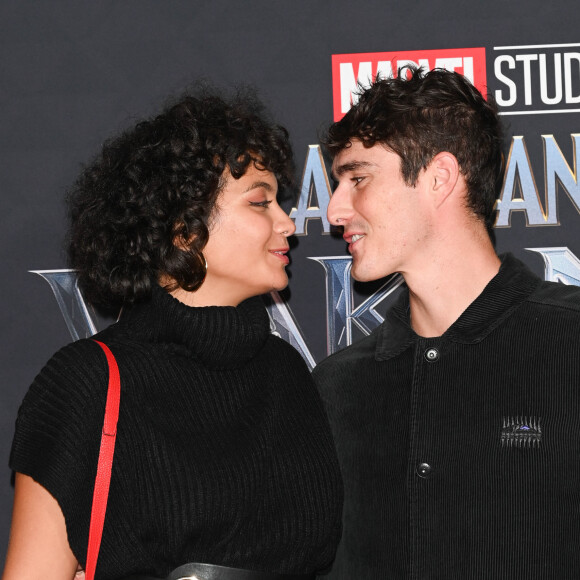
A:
(157, 183)
(419, 114)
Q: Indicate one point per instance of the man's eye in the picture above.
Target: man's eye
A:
(357, 180)
(264, 203)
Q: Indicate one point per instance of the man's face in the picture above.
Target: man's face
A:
(386, 222)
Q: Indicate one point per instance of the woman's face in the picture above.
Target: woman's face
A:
(247, 246)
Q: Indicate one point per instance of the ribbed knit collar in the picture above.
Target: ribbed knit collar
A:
(217, 336)
(506, 291)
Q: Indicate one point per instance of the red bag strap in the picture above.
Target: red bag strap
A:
(103, 479)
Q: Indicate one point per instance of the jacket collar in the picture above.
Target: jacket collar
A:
(503, 294)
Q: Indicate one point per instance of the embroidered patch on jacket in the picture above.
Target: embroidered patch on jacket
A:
(521, 432)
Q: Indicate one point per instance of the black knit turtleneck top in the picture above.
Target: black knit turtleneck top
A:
(223, 451)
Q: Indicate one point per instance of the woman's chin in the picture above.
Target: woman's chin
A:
(283, 284)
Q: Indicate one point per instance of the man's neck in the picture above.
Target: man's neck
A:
(443, 287)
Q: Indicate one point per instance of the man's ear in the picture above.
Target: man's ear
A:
(443, 173)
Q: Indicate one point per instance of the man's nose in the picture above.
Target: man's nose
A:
(340, 207)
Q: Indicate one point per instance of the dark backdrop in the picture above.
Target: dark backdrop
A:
(74, 73)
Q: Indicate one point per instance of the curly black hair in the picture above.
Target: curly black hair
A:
(157, 184)
(419, 114)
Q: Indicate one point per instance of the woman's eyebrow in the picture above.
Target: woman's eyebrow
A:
(267, 186)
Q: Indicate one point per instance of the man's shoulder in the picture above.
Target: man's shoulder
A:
(556, 295)
(358, 353)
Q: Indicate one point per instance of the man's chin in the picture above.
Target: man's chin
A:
(360, 274)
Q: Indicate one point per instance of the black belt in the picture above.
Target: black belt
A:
(211, 572)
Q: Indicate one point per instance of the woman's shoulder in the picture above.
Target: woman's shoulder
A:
(283, 353)
(83, 363)
(77, 359)
(288, 369)
(75, 375)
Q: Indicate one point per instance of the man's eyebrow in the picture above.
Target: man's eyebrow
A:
(350, 166)
(257, 184)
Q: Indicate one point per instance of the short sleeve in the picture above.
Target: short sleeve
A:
(58, 432)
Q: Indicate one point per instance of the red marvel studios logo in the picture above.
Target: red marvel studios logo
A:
(348, 70)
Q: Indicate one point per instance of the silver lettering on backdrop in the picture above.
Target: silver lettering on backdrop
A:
(342, 317)
(340, 311)
(558, 171)
(561, 265)
(520, 192)
(284, 325)
(81, 324)
(72, 305)
(314, 184)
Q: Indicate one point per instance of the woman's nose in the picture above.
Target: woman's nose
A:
(285, 225)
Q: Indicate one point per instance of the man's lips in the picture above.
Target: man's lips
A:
(280, 253)
(352, 238)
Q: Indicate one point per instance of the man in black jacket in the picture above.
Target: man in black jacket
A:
(457, 421)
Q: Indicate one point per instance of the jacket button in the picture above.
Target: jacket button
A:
(424, 470)
(432, 355)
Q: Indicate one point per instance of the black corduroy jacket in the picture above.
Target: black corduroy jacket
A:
(461, 454)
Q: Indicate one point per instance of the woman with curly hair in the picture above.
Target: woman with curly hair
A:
(223, 455)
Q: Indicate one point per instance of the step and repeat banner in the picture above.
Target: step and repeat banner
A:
(76, 73)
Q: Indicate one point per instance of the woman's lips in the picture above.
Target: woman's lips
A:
(281, 255)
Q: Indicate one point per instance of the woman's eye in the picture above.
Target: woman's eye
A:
(264, 203)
